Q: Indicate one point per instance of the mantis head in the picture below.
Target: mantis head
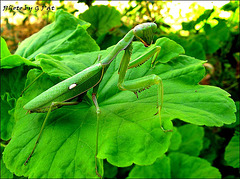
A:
(144, 32)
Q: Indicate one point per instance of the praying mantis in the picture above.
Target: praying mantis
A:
(78, 85)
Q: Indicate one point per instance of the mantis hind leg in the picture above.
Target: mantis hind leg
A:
(32, 83)
(98, 117)
(54, 104)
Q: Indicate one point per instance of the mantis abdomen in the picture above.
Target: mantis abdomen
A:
(67, 89)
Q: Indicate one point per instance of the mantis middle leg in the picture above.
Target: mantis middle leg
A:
(94, 98)
(140, 84)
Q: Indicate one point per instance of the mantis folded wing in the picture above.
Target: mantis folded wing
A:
(62, 93)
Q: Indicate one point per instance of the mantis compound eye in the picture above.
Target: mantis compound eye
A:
(144, 32)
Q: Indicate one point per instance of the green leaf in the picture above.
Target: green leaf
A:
(212, 144)
(188, 25)
(160, 169)
(5, 173)
(4, 49)
(207, 13)
(66, 66)
(12, 84)
(176, 140)
(232, 152)
(129, 131)
(7, 119)
(80, 62)
(237, 123)
(177, 165)
(13, 81)
(185, 166)
(194, 98)
(169, 49)
(214, 37)
(66, 35)
(192, 47)
(110, 171)
(13, 61)
(231, 6)
(75, 137)
(192, 139)
(53, 66)
(102, 19)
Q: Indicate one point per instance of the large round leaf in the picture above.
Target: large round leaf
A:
(129, 130)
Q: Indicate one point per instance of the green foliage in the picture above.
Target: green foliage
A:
(153, 171)
(214, 37)
(191, 25)
(208, 41)
(231, 6)
(4, 49)
(191, 167)
(102, 19)
(54, 66)
(176, 140)
(66, 32)
(235, 125)
(7, 119)
(232, 152)
(87, 2)
(14, 61)
(9, 61)
(209, 37)
(106, 27)
(192, 47)
(176, 165)
(12, 83)
(169, 50)
(110, 171)
(130, 133)
(192, 139)
(5, 173)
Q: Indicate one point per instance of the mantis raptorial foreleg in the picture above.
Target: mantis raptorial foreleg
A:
(140, 84)
(50, 108)
(153, 52)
